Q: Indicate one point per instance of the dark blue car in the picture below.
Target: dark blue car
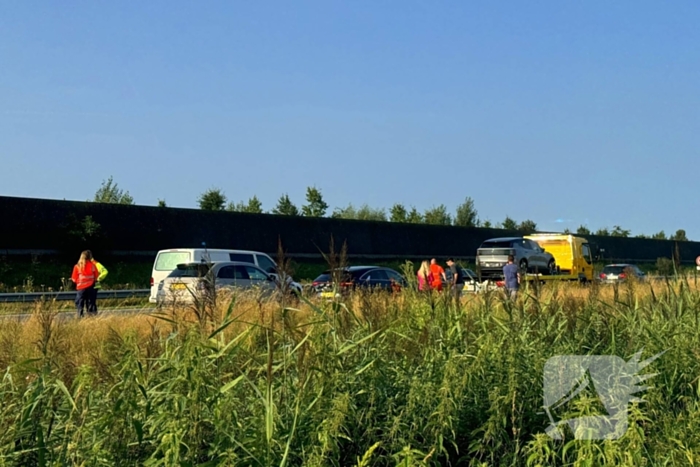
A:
(353, 277)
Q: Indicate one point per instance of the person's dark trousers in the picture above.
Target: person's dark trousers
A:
(92, 308)
(82, 300)
(457, 293)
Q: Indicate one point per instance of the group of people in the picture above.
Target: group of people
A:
(432, 276)
(87, 277)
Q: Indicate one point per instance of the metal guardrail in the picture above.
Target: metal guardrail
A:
(61, 296)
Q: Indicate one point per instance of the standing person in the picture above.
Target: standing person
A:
(511, 273)
(424, 276)
(438, 275)
(457, 282)
(84, 276)
(101, 274)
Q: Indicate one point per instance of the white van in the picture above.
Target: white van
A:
(167, 261)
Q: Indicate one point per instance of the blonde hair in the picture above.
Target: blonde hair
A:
(84, 258)
(424, 270)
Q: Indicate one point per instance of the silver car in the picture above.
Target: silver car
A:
(190, 279)
(493, 254)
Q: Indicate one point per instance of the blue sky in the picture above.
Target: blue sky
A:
(586, 112)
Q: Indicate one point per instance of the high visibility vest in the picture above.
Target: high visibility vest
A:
(84, 278)
(101, 273)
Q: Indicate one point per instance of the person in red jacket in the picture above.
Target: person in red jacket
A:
(84, 276)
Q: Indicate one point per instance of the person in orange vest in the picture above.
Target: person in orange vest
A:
(438, 275)
(84, 276)
(101, 274)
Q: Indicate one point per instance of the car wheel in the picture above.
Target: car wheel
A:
(551, 267)
(523, 265)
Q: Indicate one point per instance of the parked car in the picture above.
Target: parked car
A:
(189, 279)
(167, 260)
(353, 277)
(613, 273)
(492, 255)
(471, 281)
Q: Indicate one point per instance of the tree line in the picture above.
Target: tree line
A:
(465, 215)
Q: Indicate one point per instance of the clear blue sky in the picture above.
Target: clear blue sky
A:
(582, 112)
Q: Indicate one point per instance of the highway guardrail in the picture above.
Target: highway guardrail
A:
(63, 296)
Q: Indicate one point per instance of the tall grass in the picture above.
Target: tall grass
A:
(376, 379)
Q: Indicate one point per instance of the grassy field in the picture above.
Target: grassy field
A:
(376, 380)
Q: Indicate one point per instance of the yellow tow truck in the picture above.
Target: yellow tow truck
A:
(573, 256)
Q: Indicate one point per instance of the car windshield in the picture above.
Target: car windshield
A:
(190, 270)
(614, 269)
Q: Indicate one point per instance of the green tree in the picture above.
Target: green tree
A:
(466, 215)
(487, 224)
(604, 232)
(212, 200)
(414, 217)
(679, 236)
(567, 231)
(109, 192)
(661, 235)
(285, 207)
(618, 231)
(253, 206)
(367, 213)
(583, 230)
(528, 226)
(437, 215)
(509, 224)
(161, 203)
(398, 213)
(315, 205)
(364, 213)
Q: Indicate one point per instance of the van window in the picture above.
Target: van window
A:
(168, 260)
(266, 264)
(586, 252)
(242, 257)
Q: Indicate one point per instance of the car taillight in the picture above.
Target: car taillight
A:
(152, 282)
(500, 283)
(623, 275)
(602, 275)
(316, 283)
(346, 284)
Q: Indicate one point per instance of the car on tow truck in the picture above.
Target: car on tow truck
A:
(493, 254)
(569, 257)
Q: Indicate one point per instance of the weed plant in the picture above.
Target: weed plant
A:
(374, 379)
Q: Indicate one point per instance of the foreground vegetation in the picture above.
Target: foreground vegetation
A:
(375, 380)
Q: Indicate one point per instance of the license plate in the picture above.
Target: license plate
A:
(327, 294)
(178, 287)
